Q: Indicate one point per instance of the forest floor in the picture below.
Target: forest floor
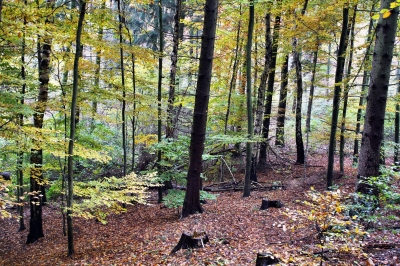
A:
(236, 227)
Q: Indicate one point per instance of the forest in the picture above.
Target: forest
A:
(186, 132)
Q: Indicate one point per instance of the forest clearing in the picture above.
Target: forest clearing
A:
(236, 227)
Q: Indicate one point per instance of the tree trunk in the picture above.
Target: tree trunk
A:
(280, 120)
(299, 98)
(376, 106)
(250, 132)
(72, 129)
(121, 54)
(262, 160)
(191, 202)
(159, 89)
(264, 75)
(20, 156)
(364, 85)
(232, 83)
(397, 118)
(346, 92)
(335, 108)
(37, 189)
(312, 87)
(170, 130)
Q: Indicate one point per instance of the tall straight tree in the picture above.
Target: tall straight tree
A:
(70, 194)
(262, 160)
(232, 82)
(191, 203)
(385, 34)
(250, 126)
(280, 120)
(20, 158)
(299, 95)
(170, 130)
(36, 159)
(397, 118)
(346, 90)
(336, 97)
(159, 88)
(121, 54)
(264, 75)
(364, 85)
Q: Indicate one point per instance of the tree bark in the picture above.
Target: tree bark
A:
(335, 108)
(397, 118)
(312, 87)
(346, 92)
(170, 130)
(159, 88)
(264, 75)
(299, 95)
(232, 83)
(70, 193)
(364, 85)
(37, 189)
(262, 160)
(280, 120)
(121, 54)
(376, 106)
(191, 202)
(250, 132)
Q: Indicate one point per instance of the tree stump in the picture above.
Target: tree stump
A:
(266, 259)
(5, 175)
(195, 240)
(270, 204)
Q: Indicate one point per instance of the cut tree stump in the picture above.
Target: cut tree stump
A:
(5, 175)
(270, 204)
(195, 240)
(266, 259)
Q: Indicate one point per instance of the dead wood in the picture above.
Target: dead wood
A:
(187, 240)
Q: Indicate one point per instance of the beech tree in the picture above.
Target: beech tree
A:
(82, 11)
(37, 184)
(191, 203)
(370, 152)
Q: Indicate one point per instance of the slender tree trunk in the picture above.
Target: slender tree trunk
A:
(232, 83)
(37, 189)
(191, 203)
(20, 156)
(346, 92)
(299, 96)
(376, 106)
(96, 78)
(70, 193)
(280, 120)
(134, 111)
(264, 75)
(250, 132)
(364, 84)
(262, 160)
(170, 130)
(121, 54)
(335, 108)
(397, 118)
(160, 62)
(312, 87)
